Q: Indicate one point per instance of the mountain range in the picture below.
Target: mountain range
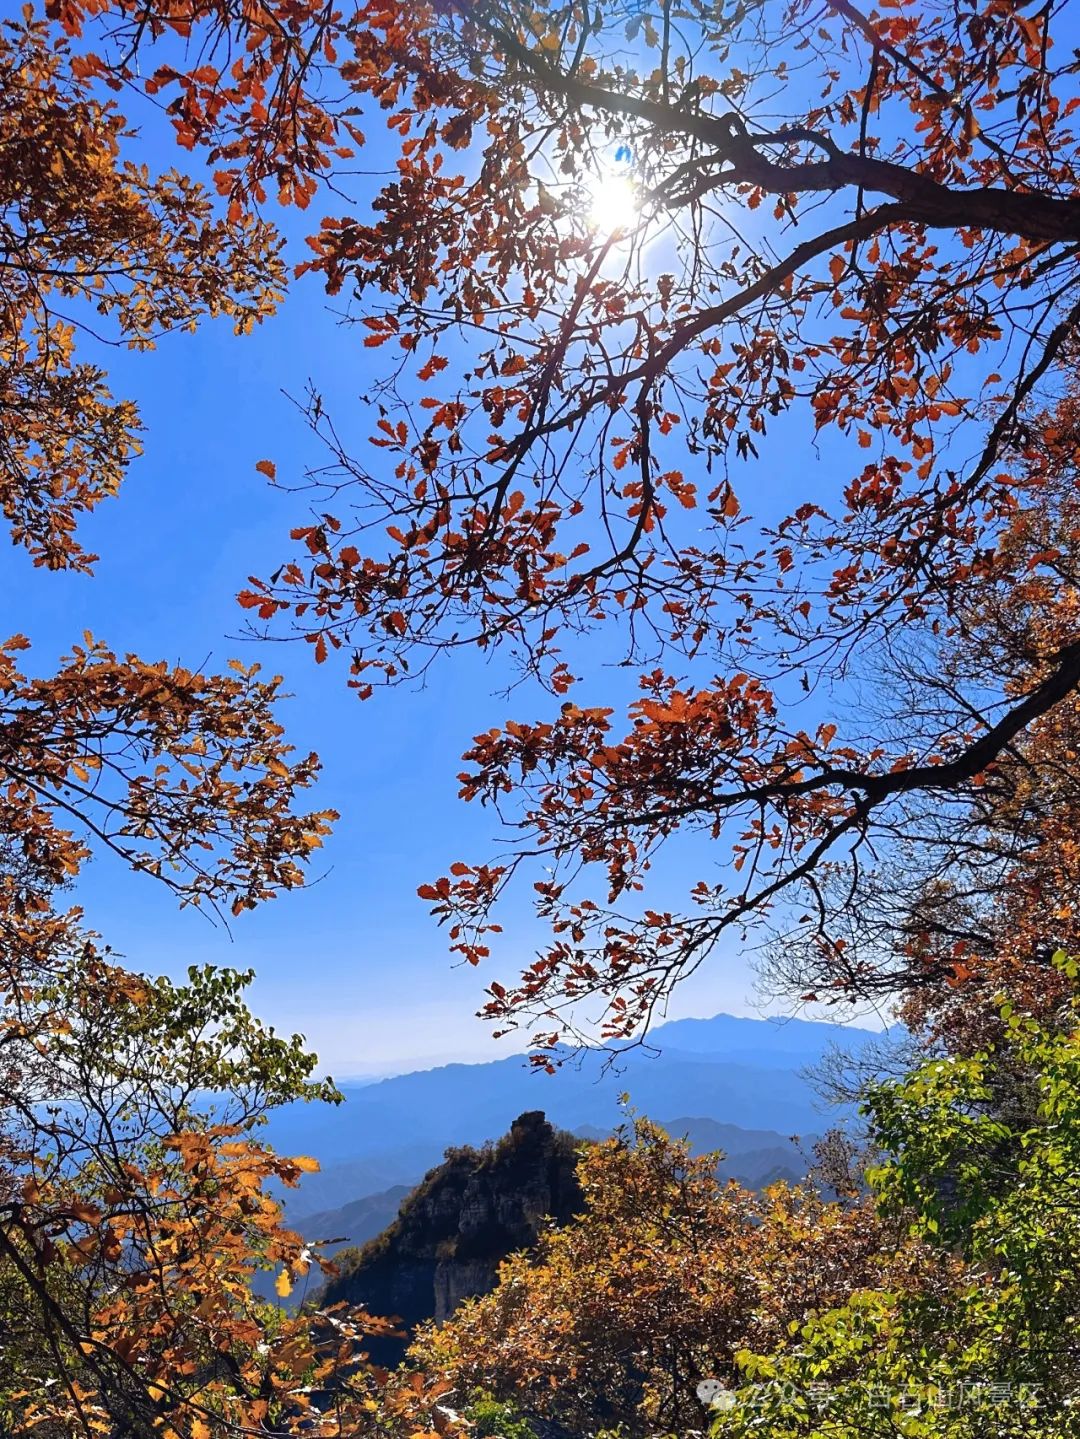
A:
(732, 1076)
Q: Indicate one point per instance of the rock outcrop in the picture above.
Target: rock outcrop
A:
(453, 1230)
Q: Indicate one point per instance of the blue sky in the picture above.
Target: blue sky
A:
(354, 963)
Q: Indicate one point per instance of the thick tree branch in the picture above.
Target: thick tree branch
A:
(1026, 214)
(970, 762)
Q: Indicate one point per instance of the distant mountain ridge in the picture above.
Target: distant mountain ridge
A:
(773, 1042)
(736, 1071)
(755, 1157)
(354, 1223)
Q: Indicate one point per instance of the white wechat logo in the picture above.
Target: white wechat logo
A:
(714, 1394)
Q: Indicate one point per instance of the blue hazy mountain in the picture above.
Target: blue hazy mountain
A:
(766, 1043)
(745, 1073)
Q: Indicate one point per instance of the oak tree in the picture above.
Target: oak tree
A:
(631, 269)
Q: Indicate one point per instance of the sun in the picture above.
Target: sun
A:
(614, 203)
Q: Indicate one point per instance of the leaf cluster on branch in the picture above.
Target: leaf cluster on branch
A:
(135, 1205)
(855, 232)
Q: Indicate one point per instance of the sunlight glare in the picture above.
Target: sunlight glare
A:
(614, 204)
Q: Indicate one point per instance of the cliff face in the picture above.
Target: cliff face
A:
(451, 1232)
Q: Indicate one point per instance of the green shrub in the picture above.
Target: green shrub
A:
(495, 1419)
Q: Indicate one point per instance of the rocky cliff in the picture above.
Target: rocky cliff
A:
(451, 1232)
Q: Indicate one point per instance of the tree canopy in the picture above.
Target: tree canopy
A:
(845, 229)
(630, 267)
(993, 1351)
(626, 260)
(133, 1211)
